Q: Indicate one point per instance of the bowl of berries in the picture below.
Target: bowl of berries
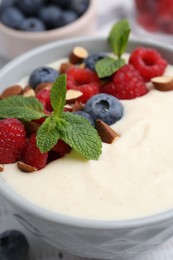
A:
(86, 141)
(28, 24)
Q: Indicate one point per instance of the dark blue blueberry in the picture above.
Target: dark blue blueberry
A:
(6, 3)
(13, 245)
(32, 24)
(87, 116)
(91, 60)
(42, 74)
(68, 17)
(30, 7)
(61, 3)
(51, 15)
(79, 6)
(12, 17)
(104, 107)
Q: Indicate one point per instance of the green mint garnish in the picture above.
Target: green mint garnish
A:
(23, 108)
(107, 66)
(118, 39)
(71, 128)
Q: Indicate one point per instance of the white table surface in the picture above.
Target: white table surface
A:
(108, 11)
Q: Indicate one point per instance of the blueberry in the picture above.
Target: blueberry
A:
(30, 7)
(32, 24)
(51, 15)
(91, 60)
(42, 74)
(68, 17)
(87, 116)
(61, 3)
(104, 107)
(79, 6)
(13, 245)
(6, 3)
(12, 17)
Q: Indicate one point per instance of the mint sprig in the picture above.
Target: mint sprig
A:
(118, 39)
(23, 108)
(71, 128)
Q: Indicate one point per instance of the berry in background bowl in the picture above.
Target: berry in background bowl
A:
(28, 24)
(124, 199)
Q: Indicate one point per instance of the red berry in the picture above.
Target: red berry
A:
(127, 84)
(12, 140)
(32, 155)
(44, 97)
(148, 62)
(85, 80)
(61, 148)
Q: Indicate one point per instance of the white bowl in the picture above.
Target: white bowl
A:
(15, 42)
(83, 237)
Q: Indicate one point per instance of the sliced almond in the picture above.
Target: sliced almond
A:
(68, 108)
(26, 167)
(65, 66)
(11, 91)
(107, 134)
(72, 95)
(77, 106)
(28, 92)
(1, 167)
(78, 54)
(163, 83)
(39, 87)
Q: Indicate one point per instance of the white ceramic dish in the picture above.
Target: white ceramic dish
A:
(82, 237)
(14, 42)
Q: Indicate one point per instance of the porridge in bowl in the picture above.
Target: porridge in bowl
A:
(132, 176)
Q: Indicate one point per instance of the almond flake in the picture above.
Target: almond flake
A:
(163, 83)
(107, 134)
(46, 85)
(28, 92)
(1, 167)
(72, 95)
(78, 55)
(65, 66)
(11, 91)
(26, 167)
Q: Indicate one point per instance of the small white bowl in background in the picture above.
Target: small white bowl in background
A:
(15, 42)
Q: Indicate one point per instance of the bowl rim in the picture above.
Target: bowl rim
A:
(82, 20)
(59, 218)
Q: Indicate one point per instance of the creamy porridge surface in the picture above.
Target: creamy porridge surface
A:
(133, 177)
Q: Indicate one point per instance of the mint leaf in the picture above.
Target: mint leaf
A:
(81, 136)
(58, 94)
(47, 135)
(118, 37)
(107, 66)
(24, 108)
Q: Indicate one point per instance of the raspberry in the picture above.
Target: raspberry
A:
(44, 97)
(84, 80)
(127, 84)
(148, 62)
(12, 140)
(61, 148)
(32, 155)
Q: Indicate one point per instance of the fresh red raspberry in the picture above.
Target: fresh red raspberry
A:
(126, 83)
(12, 140)
(44, 97)
(85, 80)
(32, 155)
(148, 62)
(61, 148)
